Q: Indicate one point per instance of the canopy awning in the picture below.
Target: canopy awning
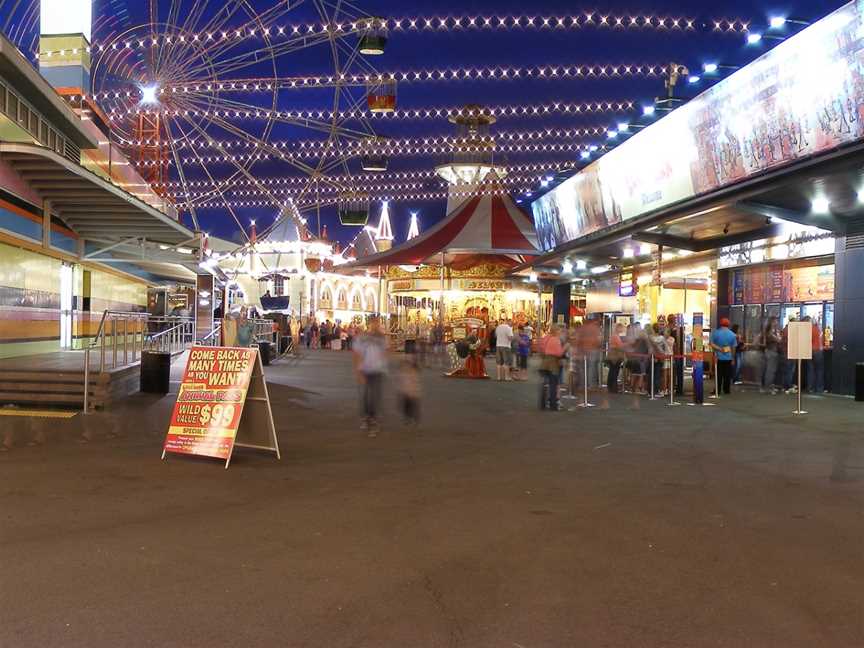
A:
(488, 224)
(92, 207)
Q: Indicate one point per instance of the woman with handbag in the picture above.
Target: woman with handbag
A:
(615, 357)
(552, 351)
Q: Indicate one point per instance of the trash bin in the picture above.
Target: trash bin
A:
(155, 372)
(859, 382)
(264, 350)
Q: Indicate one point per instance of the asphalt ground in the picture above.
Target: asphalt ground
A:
(493, 524)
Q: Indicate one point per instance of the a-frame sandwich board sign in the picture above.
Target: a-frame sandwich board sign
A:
(223, 402)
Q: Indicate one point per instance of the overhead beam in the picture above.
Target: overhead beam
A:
(824, 221)
(667, 240)
(703, 245)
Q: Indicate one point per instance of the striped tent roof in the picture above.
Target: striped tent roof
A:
(484, 225)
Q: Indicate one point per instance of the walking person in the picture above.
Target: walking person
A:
(370, 366)
(739, 354)
(660, 351)
(523, 351)
(771, 341)
(615, 358)
(724, 342)
(551, 351)
(409, 390)
(503, 336)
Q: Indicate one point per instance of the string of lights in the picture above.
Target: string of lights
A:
(356, 188)
(420, 150)
(500, 73)
(416, 113)
(395, 197)
(425, 174)
(587, 20)
(381, 143)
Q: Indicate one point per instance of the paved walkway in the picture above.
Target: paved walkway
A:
(495, 525)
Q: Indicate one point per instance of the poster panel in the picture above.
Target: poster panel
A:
(799, 343)
(801, 98)
(210, 402)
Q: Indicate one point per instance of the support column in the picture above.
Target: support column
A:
(848, 311)
(46, 224)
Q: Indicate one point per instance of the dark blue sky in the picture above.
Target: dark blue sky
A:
(412, 50)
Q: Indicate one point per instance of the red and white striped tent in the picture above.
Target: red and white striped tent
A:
(483, 226)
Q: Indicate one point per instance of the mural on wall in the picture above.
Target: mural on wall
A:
(804, 97)
(776, 284)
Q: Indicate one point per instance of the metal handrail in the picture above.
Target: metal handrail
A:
(212, 338)
(136, 336)
(172, 340)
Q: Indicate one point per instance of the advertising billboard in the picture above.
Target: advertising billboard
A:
(804, 97)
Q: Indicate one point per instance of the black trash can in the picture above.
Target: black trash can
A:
(859, 382)
(264, 350)
(155, 372)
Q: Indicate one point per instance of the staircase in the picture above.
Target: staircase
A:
(65, 388)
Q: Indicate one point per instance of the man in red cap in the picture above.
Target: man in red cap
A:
(723, 341)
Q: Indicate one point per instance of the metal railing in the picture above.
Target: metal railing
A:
(121, 334)
(214, 337)
(172, 340)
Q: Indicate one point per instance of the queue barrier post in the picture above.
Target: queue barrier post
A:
(799, 410)
(671, 382)
(716, 393)
(652, 395)
(585, 404)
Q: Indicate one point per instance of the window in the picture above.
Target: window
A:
(278, 285)
(2, 98)
(12, 106)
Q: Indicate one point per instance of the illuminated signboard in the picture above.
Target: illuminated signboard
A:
(66, 17)
(799, 99)
(627, 283)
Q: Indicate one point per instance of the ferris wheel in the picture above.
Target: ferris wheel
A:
(196, 92)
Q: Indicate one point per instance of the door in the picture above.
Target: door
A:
(66, 290)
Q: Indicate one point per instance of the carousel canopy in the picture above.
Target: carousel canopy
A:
(482, 226)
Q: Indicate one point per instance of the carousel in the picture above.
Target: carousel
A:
(456, 274)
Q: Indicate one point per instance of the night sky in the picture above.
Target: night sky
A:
(422, 50)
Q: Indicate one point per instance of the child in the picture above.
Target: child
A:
(409, 390)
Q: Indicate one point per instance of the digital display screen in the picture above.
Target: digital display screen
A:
(797, 100)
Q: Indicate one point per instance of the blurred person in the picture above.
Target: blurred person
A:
(552, 352)
(615, 357)
(523, 351)
(409, 390)
(771, 341)
(676, 332)
(739, 354)
(503, 336)
(370, 366)
(591, 342)
(788, 367)
(724, 343)
(815, 366)
(659, 349)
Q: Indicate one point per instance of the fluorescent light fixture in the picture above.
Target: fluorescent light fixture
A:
(645, 249)
(532, 276)
(753, 38)
(611, 134)
(709, 68)
(528, 194)
(149, 94)
(183, 250)
(777, 22)
(544, 182)
(567, 267)
(600, 269)
(581, 265)
(821, 205)
(550, 178)
(694, 78)
(628, 253)
(648, 110)
(585, 155)
(592, 148)
(623, 127)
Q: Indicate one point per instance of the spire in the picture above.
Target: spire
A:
(414, 227)
(253, 233)
(384, 233)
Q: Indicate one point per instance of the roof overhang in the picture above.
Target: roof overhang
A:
(28, 82)
(756, 209)
(90, 206)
